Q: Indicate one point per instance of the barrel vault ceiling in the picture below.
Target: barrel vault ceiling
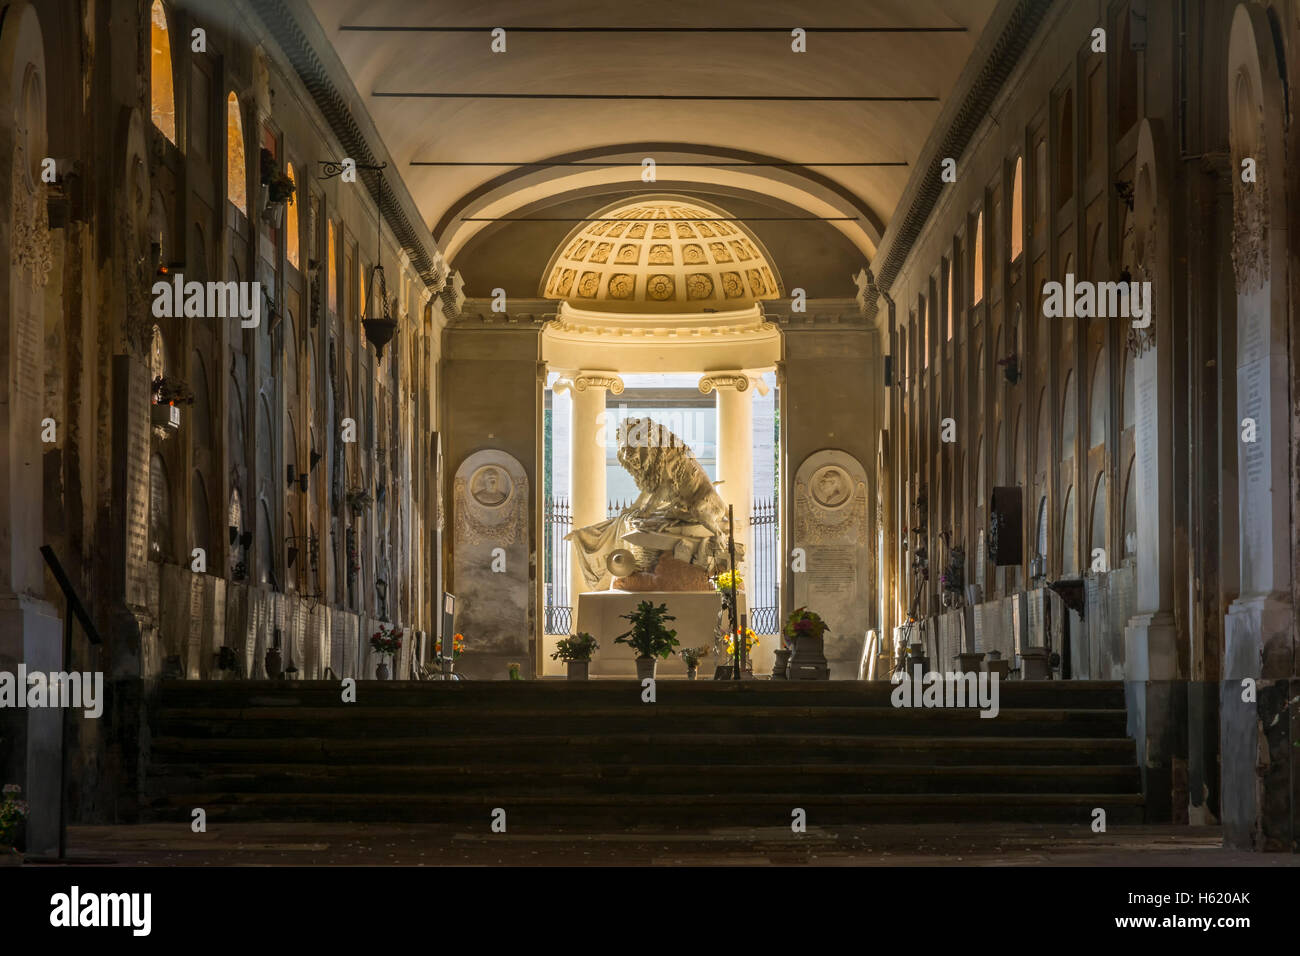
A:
(768, 158)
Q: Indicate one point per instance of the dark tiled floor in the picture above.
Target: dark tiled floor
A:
(271, 844)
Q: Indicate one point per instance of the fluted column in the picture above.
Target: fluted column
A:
(735, 391)
(587, 439)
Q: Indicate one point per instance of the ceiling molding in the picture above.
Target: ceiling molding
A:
(309, 53)
(1004, 42)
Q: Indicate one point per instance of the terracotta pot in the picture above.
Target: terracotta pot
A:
(578, 669)
(645, 667)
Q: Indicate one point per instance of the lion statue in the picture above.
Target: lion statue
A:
(678, 518)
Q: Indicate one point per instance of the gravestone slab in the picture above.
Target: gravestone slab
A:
(490, 502)
(832, 526)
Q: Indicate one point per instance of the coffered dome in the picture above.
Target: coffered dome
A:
(661, 254)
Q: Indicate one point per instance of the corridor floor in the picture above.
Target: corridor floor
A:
(298, 844)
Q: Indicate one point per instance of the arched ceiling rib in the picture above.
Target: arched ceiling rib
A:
(741, 64)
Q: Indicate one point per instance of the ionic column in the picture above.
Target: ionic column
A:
(587, 439)
(735, 442)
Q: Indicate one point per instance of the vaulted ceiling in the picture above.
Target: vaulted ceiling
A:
(728, 114)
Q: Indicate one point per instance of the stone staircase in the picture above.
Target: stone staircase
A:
(593, 755)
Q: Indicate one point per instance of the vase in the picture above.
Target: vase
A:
(645, 667)
(274, 664)
(781, 664)
(808, 660)
(578, 669)
(381, 671)
(690, 672)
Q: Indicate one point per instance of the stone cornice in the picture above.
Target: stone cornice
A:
(840, 313)
(303, 45)
(1006, 37)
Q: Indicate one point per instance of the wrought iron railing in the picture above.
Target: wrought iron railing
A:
(558, 610)
(764, 586)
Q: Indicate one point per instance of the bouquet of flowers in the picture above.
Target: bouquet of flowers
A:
(722, 582)
(457, 646)
(12, 813)
(387, 640)
(803, 623)
(751, 641)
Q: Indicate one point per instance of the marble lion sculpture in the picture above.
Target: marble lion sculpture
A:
(676, 529)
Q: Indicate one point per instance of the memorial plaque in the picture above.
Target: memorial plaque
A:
(493, 603)
(832, 524)
(1037, 636)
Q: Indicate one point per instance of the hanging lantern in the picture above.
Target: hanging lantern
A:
(378, 321)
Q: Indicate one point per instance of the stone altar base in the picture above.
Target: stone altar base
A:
(599, 614)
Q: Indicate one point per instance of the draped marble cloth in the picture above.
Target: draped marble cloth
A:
(678, 512)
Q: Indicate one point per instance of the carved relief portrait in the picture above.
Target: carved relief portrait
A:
(831, 487)
(490, 486)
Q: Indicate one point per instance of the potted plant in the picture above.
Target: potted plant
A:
(13, 811)
(457, 649)
(386, 642)
(649, 637)
(804, 631)
(692, 656)
(576, 650)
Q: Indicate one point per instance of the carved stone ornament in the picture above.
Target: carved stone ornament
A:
(491, 505)
(31, 226)
(831, 509)
(609, 380)
(1250, 256)
(718, 380)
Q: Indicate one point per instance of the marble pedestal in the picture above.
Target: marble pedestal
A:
(599, 615)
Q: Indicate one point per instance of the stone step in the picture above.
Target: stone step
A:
(574, 695)
(695, 751)
(688, 812)
(375, 722)
(578, 778)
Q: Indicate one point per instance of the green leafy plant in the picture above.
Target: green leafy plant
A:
(575, 647)
(648, 636)
(693, 655)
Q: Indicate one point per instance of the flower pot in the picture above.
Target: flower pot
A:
(808, 661)
(381, 671)
(578, 669)
(645, 667)
(780, 667)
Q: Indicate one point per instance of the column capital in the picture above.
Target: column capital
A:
(581, 381)
(737, 379)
